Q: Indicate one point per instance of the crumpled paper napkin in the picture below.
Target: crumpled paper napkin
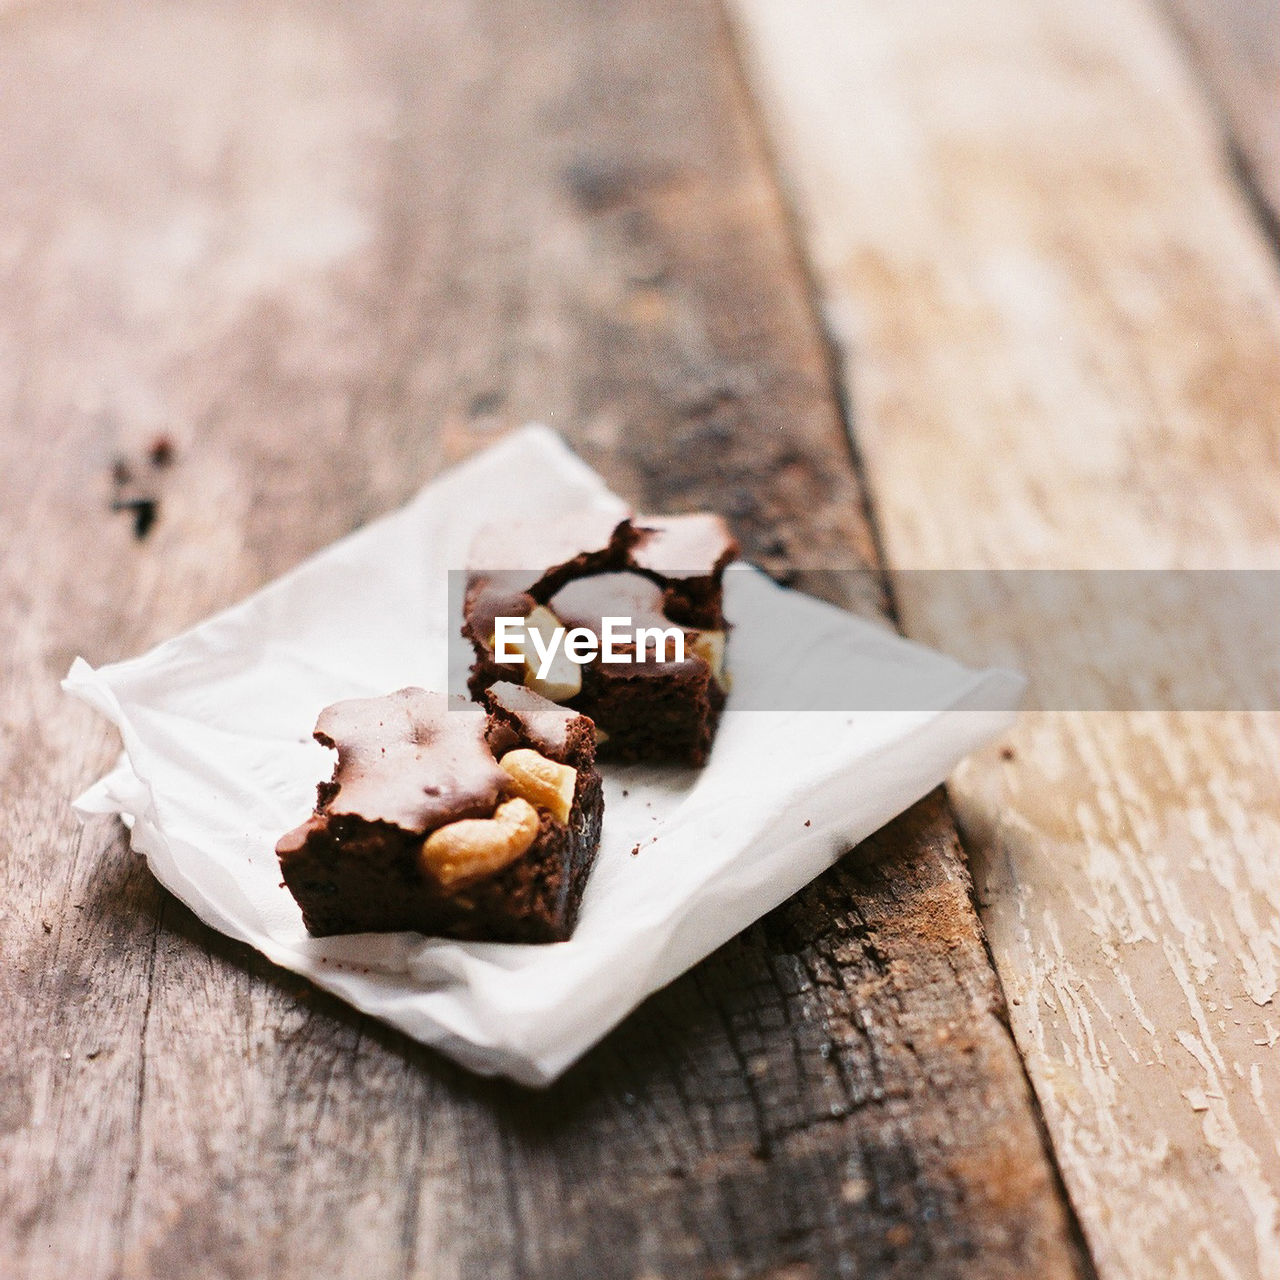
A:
(218, 762)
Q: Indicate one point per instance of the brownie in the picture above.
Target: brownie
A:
(449, 818)
(661, 572)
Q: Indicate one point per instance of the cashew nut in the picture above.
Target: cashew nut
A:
(473, 848)
(563, 679)
(541, 782)
(709, 646)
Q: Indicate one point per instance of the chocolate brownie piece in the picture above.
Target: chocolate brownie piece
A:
(661, 572)
(449, 818)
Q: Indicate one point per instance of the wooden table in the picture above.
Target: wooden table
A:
(979, 283)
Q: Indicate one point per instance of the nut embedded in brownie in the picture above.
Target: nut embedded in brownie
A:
(663, 573)
(450, 819)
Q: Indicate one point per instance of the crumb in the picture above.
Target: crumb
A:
(283, 885)
(625, 792)
(144, 511)
(93, 1053)
(486, 402)
(46, 926)
(808, 822)
(121, 472)
(160, 453)
(1006, 753)
(635, 849)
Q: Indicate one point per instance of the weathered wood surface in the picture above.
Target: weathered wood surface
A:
(1062, 331)
(330, 248)
(1238, 44)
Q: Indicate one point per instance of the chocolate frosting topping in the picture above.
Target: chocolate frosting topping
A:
(512, 566)
(586, 602)
(440, 766)
(688, 546)
(489, 600)
(545, 723)
(525, 551)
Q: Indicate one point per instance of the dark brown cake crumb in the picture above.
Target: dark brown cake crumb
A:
(160, 454)
(144, 512)
(131, 496)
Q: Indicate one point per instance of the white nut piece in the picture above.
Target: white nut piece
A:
(473, 848)
(709, 646)
(563, 678)
(540, 781)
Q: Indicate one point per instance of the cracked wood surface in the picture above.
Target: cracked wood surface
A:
(1061, 324)
(1238, 43)
(328, 249)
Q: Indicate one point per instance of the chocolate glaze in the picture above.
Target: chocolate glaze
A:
(545, 724)
(491, 598)
(582, 544)
(524, 552)
(586, 602)
(413, 759)
(687, 546)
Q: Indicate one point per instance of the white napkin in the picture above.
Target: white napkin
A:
(218, 762)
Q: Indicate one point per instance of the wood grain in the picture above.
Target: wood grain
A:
(1238, 44)
(1061, 330)
(329, 248)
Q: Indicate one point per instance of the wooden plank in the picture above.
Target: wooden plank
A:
(1238, 45)
(1062, 341)
(329, 248)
